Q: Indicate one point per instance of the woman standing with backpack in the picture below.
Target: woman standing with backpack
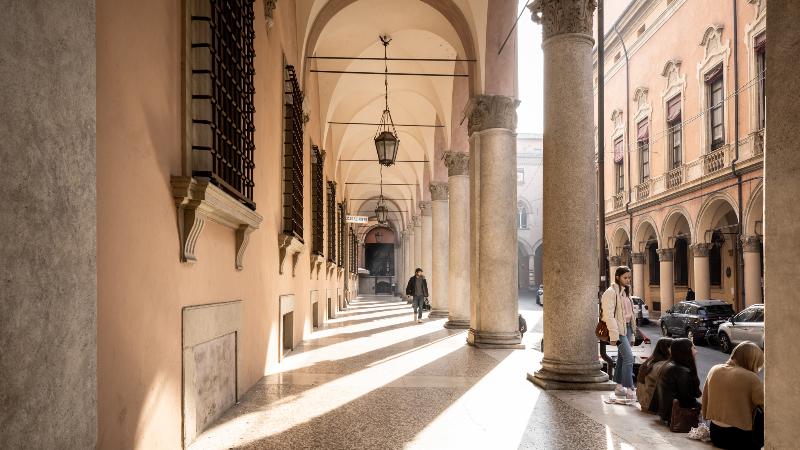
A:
(617, 313)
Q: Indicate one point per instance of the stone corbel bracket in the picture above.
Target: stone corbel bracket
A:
(317, 262)
(331, 268)
(197, 200)
(290, 248)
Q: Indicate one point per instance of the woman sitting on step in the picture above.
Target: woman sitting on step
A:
(649, 373)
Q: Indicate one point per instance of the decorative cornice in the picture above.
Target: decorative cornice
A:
(492, 111)
(563, 16)
(638, 258)
(751, 244)
(457, 163)
(701, 250)
(439, 191)
(666, 254)
(425, 207)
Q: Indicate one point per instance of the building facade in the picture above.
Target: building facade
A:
(684, 131)
(529, 209)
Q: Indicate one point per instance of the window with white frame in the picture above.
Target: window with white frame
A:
(522, 216)
(715, 105)
(674, 132)
(643, 144)
(520, 175)
(619, 172)
(761, 68)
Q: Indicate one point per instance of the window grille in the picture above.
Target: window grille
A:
(292, 155)
(340, 252)
(317, 182)
(222, 90)
(353, 257)
(331, 221)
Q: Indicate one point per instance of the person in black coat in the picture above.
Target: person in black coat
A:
(689, 295)
(678, 380)
(417, 288)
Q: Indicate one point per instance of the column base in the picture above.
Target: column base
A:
(559, 376)
(487, 339)
(457, 324)
(438, 314)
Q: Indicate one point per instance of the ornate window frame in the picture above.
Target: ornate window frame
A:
(715, 52)
(643, 112)
(675, 85)
(752, 31)
(618, 133)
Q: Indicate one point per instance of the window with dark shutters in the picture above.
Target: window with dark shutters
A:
(292, 155)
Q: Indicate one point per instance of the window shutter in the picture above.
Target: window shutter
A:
(674, 108)
(618, 151)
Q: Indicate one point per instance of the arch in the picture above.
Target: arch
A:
(754, 214)
(618, 239)
(716, 209)
(522, 244)
(677, 221)
(645, 228)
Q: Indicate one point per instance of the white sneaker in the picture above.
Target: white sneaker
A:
(620, 391)
(631, 394)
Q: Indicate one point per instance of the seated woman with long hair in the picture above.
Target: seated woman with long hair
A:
(649, 373)
(732, 394)
(678, 380)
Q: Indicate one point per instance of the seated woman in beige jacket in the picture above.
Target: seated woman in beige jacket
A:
(647, 378)
(732, 393)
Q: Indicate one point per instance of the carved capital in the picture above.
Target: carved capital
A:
(290, 248)
(425, 208)
(457, 163)
(701, 250)
(666, 254)
(492, 111)
(751, 244)
(439, 191)
(615, 260)
(637, 258)
(269, 12)
(563, 16)
(417, 221)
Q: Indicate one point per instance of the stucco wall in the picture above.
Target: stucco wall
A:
(142, 285)
(47, 258)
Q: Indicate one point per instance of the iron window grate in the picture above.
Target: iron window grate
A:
(292, 155)
(331, 221)
(340, 252)
(222, 95)
(317, 182)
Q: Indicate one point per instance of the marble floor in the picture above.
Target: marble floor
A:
(374, 379)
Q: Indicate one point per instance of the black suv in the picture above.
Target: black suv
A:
(695, 319)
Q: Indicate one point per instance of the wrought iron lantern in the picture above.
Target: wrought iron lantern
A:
(382, 212)
(386, 140)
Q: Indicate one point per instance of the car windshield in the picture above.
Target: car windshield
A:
(716, 310)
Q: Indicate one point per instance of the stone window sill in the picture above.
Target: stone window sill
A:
(197, 200)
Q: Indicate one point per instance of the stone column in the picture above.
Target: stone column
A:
(702, 277)
(427, 243)
(458, 282)
(410, 249)
(440, 256)
(417, 242)
(48, 254)
(637, 259)
(752, 269)
(613, 263)
(570, 264)
(492, 121)
(667, 280)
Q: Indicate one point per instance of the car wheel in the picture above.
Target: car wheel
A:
(725, 343)
(664, 330)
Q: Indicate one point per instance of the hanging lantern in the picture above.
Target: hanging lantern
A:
(382, 212)
(386, 141)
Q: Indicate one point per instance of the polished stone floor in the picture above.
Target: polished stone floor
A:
(374, 379)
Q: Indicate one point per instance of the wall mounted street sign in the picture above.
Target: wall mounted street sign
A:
(357, 219)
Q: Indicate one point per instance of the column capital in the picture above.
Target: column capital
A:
(700, 250)
(439, 191)
(492, 111)
(563, 16)
(637, 258)
(666, 254)
(751, 244)
(425, 208)
(615, 260)
(457, 163)
(416, 220)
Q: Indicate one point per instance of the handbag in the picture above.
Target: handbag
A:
(601, 330)
(683, 420)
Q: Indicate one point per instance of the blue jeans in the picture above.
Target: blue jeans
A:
(624, 371)
(417, 303)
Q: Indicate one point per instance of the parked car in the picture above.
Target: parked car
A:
(641, 349)
(695, 319)
(540, 295)
(640, 310)
(748, 325)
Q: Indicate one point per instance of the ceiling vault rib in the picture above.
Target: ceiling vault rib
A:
(406, 74)
(363, 58)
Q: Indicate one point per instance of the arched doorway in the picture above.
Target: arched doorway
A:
(379, 260)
